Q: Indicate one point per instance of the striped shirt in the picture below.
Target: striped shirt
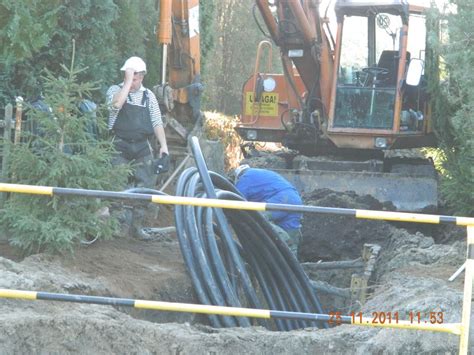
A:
(136, 99)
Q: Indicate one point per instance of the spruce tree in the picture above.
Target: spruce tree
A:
(58, 148)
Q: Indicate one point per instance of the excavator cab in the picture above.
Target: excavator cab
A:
(371, 95)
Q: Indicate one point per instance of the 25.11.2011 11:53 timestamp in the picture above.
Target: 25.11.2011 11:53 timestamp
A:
(414, 317)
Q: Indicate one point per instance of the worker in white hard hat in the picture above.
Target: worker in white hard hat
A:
(135, 120)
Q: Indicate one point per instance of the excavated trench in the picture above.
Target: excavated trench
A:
(326, 239)
(329, 241)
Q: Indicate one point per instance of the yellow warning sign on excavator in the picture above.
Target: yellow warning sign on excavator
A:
(266, 106)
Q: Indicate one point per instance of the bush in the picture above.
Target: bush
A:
(454, 107)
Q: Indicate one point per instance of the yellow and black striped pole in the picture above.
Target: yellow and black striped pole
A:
(467, 299)
(241, 205)
(453, 328)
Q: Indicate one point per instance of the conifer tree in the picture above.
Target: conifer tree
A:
(60, 149)
(454, 107)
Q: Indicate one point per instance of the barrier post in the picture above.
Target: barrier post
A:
(467, 299)
(7, 126)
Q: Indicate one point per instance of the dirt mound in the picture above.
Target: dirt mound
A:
(222, 128)
(334, 237)
(124, 267)
(266, 160)
(412, 277)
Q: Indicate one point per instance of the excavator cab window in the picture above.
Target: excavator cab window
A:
(368, 79)
(364, 107)
(366, 87)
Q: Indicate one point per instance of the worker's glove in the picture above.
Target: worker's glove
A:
(162, 165)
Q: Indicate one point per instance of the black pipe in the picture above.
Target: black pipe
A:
(224, 226)
(225, 250)
(276, 263)
(180, 220)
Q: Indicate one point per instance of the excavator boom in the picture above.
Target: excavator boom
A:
(180, 90)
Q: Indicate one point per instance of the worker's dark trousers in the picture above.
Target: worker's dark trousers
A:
(292, 238)
(143, 176)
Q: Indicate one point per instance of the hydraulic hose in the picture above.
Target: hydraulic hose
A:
(235, 258)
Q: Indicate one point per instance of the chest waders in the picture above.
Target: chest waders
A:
(133, 127)
(132, 130)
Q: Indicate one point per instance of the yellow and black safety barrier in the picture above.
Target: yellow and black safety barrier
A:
(461, 329)
(241, 205)
(453, 328)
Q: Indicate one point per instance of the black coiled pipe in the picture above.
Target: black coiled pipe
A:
(235, 258)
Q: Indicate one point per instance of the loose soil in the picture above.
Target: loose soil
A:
(410, 276)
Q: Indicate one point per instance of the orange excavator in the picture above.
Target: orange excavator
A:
(179, 92)
(358, 100)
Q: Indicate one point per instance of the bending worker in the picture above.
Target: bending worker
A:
(134, 119)
(261, 185)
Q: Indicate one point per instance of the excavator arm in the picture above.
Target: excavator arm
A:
(179, 35)
(179, 92)
(306, 49)
(297, 28)
(302, 40)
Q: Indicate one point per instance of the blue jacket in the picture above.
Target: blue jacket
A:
(261, 185)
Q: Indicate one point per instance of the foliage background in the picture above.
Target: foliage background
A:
(454, 106)
(37, 35)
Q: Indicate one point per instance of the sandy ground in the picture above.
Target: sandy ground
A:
(411, 276)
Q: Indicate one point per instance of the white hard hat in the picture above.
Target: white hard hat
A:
(135, 63)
